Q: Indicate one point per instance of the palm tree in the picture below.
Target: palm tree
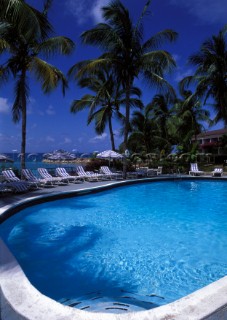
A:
(211, 73)
(142, 131)
(160, 110)
(108, 98)
(24, 48)
(127, 54)
(187, 118)
(24, 17)
(146, 133)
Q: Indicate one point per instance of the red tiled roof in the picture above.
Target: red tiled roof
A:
(219, 133)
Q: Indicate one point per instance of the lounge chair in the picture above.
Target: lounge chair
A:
(6, 187)
(86, 175)
(142, 171)
(61, 172)
(194, 171)
(30, 177)
(47, 176)
(17, 184)
(109, 174)
(218, 172)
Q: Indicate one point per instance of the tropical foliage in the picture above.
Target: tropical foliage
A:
(105, 104)
(26, 40)
(127, 54)
(211, 73)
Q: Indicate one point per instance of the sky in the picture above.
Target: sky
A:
(50, 125)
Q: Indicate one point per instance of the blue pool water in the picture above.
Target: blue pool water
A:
(164, 239)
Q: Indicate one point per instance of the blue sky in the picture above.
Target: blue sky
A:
(50, 125)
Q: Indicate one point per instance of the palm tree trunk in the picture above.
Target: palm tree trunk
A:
(23, 118)
(111, 134)
(126, 131)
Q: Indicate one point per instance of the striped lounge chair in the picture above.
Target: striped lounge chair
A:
(61, 172)
(86, 175)
(30, 177)
(15, 183)
(108, 173)
(47, 176)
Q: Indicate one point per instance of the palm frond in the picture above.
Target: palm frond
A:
(103, 36)
(100, 117)
(48, 75)
(4, 74)
(81, 104)
(47, 6)
(88, 67)
(51, 46)
(26, 18)
(158, 39)
(160, 61)
(4, 45)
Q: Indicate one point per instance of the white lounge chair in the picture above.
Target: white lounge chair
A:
(218, 172)
(10, 176)
(61, 172)
(86, 175)
(16, 183)
(108, 173)
(159, 171)
(46, 175)
(30, 177)
(194, 171)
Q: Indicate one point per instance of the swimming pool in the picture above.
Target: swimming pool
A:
(162, 240)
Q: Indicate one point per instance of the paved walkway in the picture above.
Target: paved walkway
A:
(10, 199)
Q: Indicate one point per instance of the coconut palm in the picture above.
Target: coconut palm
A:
(211, 73)
(190, 111)
(145, 133)
(160, 109)
(24, 48)
(127, 54)
(188, 118)
(105, 103)
(24, 17)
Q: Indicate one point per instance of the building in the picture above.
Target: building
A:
(210, 141)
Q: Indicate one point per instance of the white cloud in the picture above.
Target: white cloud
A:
(67, 140)
(80, 139)
(4, 105)
(85, 10)
(208, 11)
(99, 138)
(50, 110)
(50, 139)
(96, 11)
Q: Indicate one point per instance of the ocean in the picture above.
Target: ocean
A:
(33, 162)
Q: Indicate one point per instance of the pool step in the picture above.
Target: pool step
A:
(125, 302)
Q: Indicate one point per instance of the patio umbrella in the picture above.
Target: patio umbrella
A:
(109, 154)
(4, 158)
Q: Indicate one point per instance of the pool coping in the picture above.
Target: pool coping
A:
(21, 300)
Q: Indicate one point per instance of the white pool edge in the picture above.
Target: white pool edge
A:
(20, 300)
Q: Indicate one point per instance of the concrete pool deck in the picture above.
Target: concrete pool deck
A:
(20, 300)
